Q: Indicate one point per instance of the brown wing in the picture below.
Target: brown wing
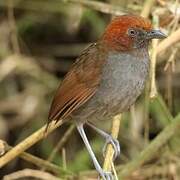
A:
(79, 85)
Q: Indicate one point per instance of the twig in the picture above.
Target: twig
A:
(30, 173)
(99, 6)
(169, 41)
(64, 162)
(110, 150)
(170, 69)
(134, 127)
(43, 163)
(167, 171)
(114, 171)
(12, 25)
(4, 147)
(170, 61)
(146, 112)
(152, 148)
(164, 108)
(61, 142)
(153, 89)
(27, 143)
(147, 8)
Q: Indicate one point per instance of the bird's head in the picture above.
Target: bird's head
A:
(130, 32)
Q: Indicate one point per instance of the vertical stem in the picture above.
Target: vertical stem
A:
(146, 112)
(153, 89)
(147, 8)
(135, 128)
(12, 25)
(64, 158)
(169, 86)
(169, 69)
(110, 151)
(61, 142)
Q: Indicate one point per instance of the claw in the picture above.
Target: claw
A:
(109, 139)
(115, 144)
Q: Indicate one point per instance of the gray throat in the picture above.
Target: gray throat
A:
(124, 76)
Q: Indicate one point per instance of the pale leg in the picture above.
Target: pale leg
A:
(104, 175)
(109, 139)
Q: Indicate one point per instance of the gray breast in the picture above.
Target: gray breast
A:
(123, 80)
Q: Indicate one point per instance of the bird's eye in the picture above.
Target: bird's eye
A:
(131, 32)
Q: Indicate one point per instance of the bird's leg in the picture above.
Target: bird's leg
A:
(103, 174)
(109, 139)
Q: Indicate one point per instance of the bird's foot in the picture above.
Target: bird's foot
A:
(115, 144)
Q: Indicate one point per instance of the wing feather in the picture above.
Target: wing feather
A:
(79, 85)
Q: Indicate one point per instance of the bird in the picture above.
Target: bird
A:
(106, 79)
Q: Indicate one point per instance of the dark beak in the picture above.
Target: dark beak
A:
(155, 34)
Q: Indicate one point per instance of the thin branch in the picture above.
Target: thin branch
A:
(64, 159)
(110, 150)
(169, 170)
(170, 69)
(164, 108)
(171, 60)
(169, 41)
(12, 25)
(27, 143)
(43, 163)
(147, 8)
(4, 147)
(61, 142)
(152, 148)
(30, 173)
(99, 6)
(153, 89)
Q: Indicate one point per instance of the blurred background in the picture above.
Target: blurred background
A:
(39, 40)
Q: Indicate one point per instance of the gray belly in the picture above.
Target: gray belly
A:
(123, 80)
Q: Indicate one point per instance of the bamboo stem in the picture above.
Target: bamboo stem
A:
(147, 8)
(110, 151)
(4, 147)
(169, 41)
(12, 26)
(27, 173)
(27, 143)
(153, 88)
